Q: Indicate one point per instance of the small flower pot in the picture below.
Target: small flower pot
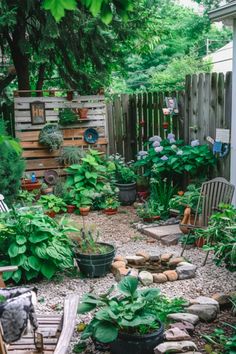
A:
(157, 217)
(148, 220)
(142, 195)
(200, 242)
(51, 213)
(84, 211)
(110, 211)
(70, 209)
(29, 186)
(83, 113)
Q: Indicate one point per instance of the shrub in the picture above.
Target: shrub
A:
(67, 116)
(11, 166)
(51, 136)
(34, 242)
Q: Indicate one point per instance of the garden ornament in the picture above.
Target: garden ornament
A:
(91, 136)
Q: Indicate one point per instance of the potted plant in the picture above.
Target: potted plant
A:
(125, 319)
(111, 205)
(45, 189)
(125, 179)
(94, 258)
(67, 116)
(51, 136)
(149, 211)
(28, 185)
(83, 113)
(52, 204)
(70, 155)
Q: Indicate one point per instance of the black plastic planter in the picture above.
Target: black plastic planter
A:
(127, 193)
(137, 344)
(95, 265)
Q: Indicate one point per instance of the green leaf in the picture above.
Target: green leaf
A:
(48, 269)
(106, 15)
(34, 263)
(86, 307)
(38, 237)
(31, 274)
(58, 7)
(128, 285)
(17, 275)
(21, 239)
(106, 332)
(13, 250)
(41, 251)
(51, 251)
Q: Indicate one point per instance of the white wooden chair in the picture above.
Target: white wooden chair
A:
(3, 207)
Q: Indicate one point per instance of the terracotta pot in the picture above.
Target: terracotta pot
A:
(110, 211)
(200, 242)
(27, 185)
(83, 113)
(157, 217)
(70, 209)
(51, 213)
(84, 211)
(149, 220)
(46, 191)
(142, 195)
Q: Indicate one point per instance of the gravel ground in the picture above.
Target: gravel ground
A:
(117, 229)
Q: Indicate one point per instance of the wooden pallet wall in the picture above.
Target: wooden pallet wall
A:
(38, 158)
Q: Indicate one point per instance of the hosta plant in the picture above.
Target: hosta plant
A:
(128, 309)
(34, 242)
(51, 202)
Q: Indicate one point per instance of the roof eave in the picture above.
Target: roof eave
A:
(226, 12)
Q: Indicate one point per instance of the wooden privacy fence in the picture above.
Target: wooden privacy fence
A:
(204, 106)
(38, 158)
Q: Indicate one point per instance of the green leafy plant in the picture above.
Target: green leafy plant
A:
(188, 199)
(220, 236)
(11, 166)
(26, 198)
(51, 202)
(123, 173)
(173, 158)
(221, 342)
(87, 242)
(131, 310)
(34, 242)
(67, 116)
(149, 209)
(110, 203)
(161, 192)
(71, 155)
(51, 136)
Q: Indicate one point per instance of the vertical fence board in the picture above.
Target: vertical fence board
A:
(187, 103)
(145, 118)
(118, 125)
(111, 129)
(150, 115)
(140, 119)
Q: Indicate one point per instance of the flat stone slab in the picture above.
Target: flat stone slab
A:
(171, 240)
(159, 232)
(175, 347)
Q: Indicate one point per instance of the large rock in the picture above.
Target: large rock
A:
(182, 317)
(174, 334)
(154, 259)
(120, 273)
(168, 347)
(120, 258)
(204, 300)
(159, 278)
(224, 300)
(117, 265)
(134, 272)
(166, 257)
(171, 275)
(137, 260)
(146, 278)
(144, 255)
(184, 263)
(176, 261)
(206, 313)
(186, 271)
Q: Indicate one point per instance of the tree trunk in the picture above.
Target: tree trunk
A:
(39, 85)
(6, 81)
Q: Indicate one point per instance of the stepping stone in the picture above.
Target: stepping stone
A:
(182, 317)
(168, 347)
(185, 326)
(206, 313)
(174, 334)
(171, 240)
(161, 231)
(138, 260)
(204, 300)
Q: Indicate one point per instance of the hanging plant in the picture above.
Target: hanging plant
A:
(51, 136)
(67, 116)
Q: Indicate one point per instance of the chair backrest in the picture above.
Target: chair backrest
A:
(214, 192)
(3, 207)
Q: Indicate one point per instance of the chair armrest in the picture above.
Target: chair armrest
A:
(191, 227)
(8, 269)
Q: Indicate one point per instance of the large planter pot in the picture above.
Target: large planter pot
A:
(127, 193)
(70, 208)
(137, 344)
(95, 265)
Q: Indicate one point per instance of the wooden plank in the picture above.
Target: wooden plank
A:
(40, 173)
(220, 106)
(81, 124)
(81, 142)
(43, 164)
(90, 98)
(227, 121)
(187, 109)
(180, 118)
(155, 114)
(25, 113)
(161, 116)
(118, 124)
(140, 119)
(50, 118)
(150, 115)
(126, 127)
(213, 106)
(63, 104)
(40, 153)
(133, 127)
(195, 109)
(67, 134)
(145, 117)
(111, 128)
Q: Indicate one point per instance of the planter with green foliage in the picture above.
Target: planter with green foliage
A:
(51, 136)
(130, 320)
(93, 258)
(37, 244)
(67, 116)
(52, 203)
